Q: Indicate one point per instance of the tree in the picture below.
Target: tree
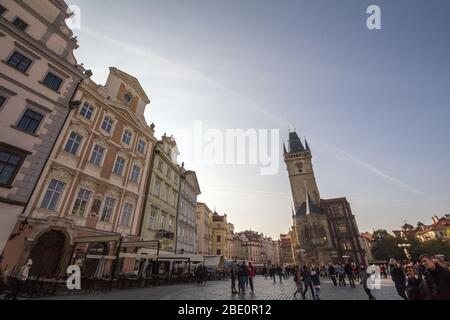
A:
(385, 246)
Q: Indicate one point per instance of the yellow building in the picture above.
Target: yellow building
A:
(220, 232)
(440, 229)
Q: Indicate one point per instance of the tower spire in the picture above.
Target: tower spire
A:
(307, 200)
(306, 145)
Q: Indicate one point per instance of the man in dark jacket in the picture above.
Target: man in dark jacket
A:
(437, 278)
(307, 281)
(332, 273)
(233, 278)
(243, 273)
(349, 272)
(399, 278)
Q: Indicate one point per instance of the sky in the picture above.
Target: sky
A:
(373, 104)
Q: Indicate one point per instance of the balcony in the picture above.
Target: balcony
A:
(164, 234)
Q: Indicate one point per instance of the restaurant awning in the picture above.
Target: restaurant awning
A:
(214, 261)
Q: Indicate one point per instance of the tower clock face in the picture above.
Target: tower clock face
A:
(299, 166)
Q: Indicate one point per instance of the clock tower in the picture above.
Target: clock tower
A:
(298, 160)
(314, 244)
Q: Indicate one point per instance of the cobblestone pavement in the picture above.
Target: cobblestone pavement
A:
(220, 290)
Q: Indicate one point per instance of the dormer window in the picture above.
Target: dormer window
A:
(127, 98)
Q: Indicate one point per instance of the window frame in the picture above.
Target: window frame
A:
(110, 208)
(16, 18)
(92, 112)
(86, 205)
(35, 132)
(54, 191)
(55, 76)
(132, 176)
(80, 143)
(139, 146)
(116, 164)
(16, 152)
(131, 213)
(127, 134)
(24, 56)
(113, 121)
(102, 156)
(152, 218)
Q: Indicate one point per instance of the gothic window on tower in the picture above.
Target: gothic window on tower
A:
(338, 211)
(341, 228)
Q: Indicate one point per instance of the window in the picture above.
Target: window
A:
(219, 239)
(218, 252)
(118, 167)
(127, 98)
(87, 111)
(52, 81)
(126, 215)
(347, 245)
(81, 202)
(160, 165)
(157, 190)
(107, 124)
(51, 198)
(108, 209)
(169, 173)
(141, 145)
(342, 228)
(19, 61)
(73, 144)
(135, 173)
(19, 23)
(162, 225)
(170, 225)
(2, 10)
(152, 218)
(2, 100)
(30, 121)
(9, 165)
(126, 138)
(97, 155)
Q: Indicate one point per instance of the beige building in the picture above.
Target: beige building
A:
(163, 197)
(187, 217)
(219, 235)
(92, 189)
(204, 229)
(38, 76)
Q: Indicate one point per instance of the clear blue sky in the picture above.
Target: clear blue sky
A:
(374, 105)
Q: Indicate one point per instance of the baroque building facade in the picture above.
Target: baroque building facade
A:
(92, 190)
(324, 230)
(38, 77)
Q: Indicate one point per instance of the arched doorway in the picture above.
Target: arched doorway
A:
(47, 255)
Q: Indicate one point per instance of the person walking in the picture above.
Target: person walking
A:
(332, 273)
(365, 278)
(416, 288)
(21, 279)
(349, 272)
(264, 272)
(299, 284)
(315, 278)
(341, 275)
(243, 273)
(251, 275)
(233, 275)
(280, 273)
(437, 278)
(307, 282)
(398, 277)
